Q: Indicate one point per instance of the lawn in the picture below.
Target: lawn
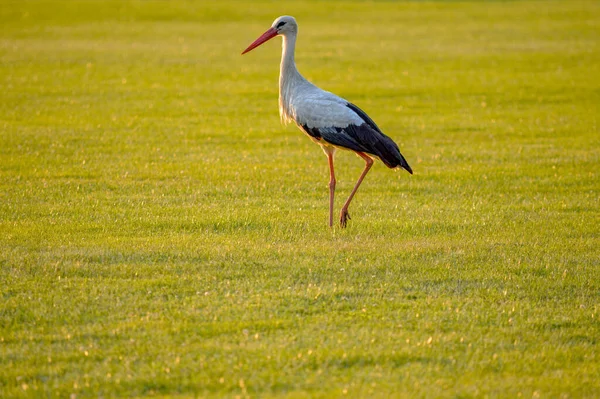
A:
(161, 234)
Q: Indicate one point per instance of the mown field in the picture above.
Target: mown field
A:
(161, 234)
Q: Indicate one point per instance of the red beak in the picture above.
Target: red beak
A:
(269, 34)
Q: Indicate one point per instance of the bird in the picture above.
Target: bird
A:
(329, 120)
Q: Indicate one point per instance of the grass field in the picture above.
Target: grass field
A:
(162, 234)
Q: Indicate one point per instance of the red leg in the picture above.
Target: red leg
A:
(344, 216)
(331, 187)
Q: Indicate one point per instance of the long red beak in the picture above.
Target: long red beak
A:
(269, 34)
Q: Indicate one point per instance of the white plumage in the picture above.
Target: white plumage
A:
(329, 120)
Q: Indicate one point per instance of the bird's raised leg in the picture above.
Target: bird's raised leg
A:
(331, 187)
(344, 216)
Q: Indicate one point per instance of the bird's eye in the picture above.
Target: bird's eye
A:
(279, 25)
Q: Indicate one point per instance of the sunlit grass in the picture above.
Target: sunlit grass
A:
(162, 234)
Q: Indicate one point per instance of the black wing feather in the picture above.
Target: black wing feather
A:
(369, 135)
(363, 115)
(367, 138)
(336, 136)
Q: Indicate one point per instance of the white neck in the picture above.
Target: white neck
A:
(288, 48)
(289, 77)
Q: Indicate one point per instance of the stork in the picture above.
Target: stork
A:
(327, 119)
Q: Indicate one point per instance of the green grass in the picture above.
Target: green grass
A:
(161, 233)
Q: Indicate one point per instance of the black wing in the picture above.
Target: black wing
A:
(366, 137)
(375, 142)
(336, 136)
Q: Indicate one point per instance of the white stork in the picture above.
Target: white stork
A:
(327, 119)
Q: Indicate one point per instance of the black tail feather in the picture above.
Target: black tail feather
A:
(405, 165)
(396, 161)
(389, 153)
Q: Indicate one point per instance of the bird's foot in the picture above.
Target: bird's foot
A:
(344, 217)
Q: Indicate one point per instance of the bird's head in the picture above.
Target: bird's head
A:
(283, 25)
